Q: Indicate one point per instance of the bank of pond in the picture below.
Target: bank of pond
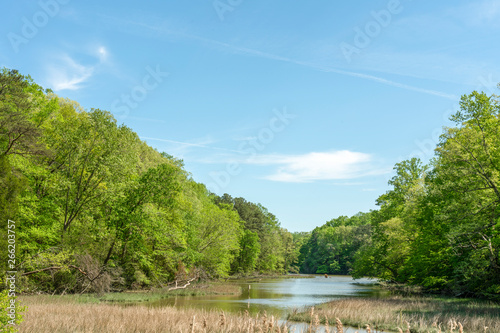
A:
(294, 303)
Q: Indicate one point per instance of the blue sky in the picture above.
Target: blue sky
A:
(303, 107)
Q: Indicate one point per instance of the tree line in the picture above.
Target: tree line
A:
(438, 226)
(97, 209)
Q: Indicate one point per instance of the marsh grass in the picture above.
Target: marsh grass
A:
(200, 289)
(86, 313)
(62, 315)
(423, 314)
(257, 277)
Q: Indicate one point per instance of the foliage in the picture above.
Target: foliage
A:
(264, 244)
(438, 226)
(330, 249)
(97, 209)
(11, 315)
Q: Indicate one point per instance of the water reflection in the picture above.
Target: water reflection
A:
(280, 296)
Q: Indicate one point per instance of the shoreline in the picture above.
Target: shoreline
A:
(423, 313)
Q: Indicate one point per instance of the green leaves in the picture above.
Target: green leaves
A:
(438, 227)
(100, 209)
(465, 186)
(332, 247)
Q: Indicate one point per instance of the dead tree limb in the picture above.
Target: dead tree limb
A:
(188, 282)
(42, 270)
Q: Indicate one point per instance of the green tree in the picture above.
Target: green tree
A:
(393, 228)
(249, 252)
(466, 194)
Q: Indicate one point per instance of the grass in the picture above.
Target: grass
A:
(104, 313)
(198, 289)
(62, 315)
(259, 276)
(70, 314)
(423, 314)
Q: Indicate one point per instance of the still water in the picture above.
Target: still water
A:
(279, 296)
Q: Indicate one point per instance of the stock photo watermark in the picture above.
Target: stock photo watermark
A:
(10, 279)
(222, 7)
(121, 107)
(363, 36)
(31, 26)
(250, 148)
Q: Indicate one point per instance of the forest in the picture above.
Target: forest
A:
(96, 209)
(438, 225)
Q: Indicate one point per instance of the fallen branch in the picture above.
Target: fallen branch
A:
(184, 286)
(41, 270)
(56, 268)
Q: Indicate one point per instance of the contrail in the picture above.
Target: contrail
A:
(326, 69)
(271, 56)
(190, 144)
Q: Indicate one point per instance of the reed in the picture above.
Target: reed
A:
(340, 327)
(411, 315)
(63, 315)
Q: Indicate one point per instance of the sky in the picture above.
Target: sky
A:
(303, 107)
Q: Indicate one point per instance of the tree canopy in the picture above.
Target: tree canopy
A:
(438, 225)
(97, 209)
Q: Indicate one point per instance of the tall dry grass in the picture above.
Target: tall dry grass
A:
(53, 315)
(413, 315)
(63, 315)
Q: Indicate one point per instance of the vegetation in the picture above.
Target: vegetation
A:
(330, 248)
(140, 296)
(416, 315)
(97, 209)
(438, 227)
(410, 314)
(56, 315)
(12, 313)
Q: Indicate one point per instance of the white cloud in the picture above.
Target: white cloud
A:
(180, 149)
(67, 74)
(333, 165)
(102, 53)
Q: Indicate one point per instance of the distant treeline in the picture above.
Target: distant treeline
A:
(97, 209)
(438, 227)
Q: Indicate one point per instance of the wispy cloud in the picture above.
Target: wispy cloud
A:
(190, 144)
(323, 68)
(102, 53)
(66, 73)
(153, 120)
(161, 29)
(332, 165)
(486, 12)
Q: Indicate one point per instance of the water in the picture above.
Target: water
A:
(280, 296)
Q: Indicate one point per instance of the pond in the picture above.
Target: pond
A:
(279, 296)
